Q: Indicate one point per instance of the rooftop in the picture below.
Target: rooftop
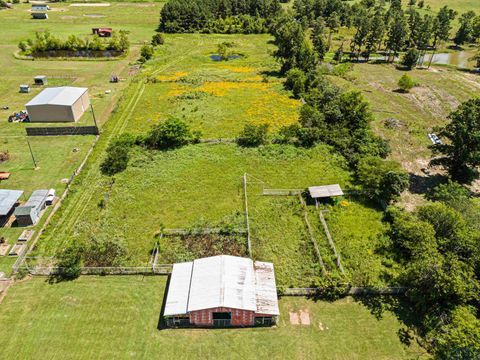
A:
(8, 198)
(65, 95)
(325, 191)
(222, 281)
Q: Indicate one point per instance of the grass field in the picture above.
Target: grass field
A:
(58, 157)
(117, 318)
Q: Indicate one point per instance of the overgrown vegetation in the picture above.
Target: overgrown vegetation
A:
(218, 16)
(45, 42)
(253, 135)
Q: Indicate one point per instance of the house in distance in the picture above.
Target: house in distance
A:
(221, 291)
(58, 104)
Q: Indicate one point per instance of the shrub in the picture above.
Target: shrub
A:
(117, 155)
(253, 135)
(170, 134)
(69, 261)
(295, 81)
(157, 39)
(410, 58)
(406, 83)
(146, 52)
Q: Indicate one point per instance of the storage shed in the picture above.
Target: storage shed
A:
(29, 213)
(325, 191)
(8, 199)
(58, 104)
(40, 7)
(40, 80)
(222, 291)
(39, 16)
(24, 89)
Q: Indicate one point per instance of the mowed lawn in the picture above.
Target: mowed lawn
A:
(117, 318)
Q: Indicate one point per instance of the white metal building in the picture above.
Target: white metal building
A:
(325, 191)
(58, 104)
(222, 291)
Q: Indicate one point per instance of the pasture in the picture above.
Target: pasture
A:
(58, 157)
(117, 317)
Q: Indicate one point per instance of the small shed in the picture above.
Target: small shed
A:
(222, 291)
(8, 199)
(24, 89)
(325, 191)
(40, 80)
(39, 16)
(29, 213)
(58, 104)
(40, 7)
(102, 32)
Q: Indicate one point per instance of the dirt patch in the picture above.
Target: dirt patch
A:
(294, 318)
(425, 99)
(304, 317)
(91, 4)
(94, 15)
(69, 17)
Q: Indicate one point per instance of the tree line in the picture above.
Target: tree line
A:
(46, 41)
(218, 16)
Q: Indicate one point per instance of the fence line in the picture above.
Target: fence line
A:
(202, 231)
(365, 290)
(249, 245)
(312, 236)
(329, 237)
(281, 192)
(21, 258)
(62, 130)
(159, 269)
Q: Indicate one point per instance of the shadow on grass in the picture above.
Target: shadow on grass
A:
(161, 324)
(424, 184)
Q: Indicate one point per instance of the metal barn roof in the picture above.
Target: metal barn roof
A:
(325, 191)
(222, 281)
(33, 203)
(8, 198)
(65, 95)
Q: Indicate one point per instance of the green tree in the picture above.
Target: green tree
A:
(253, 135)
(465, 33)
(296, 81)
(397, 35)
(146, 52)
(169, 134)
(118, 154)
(406, 83)
(318, 39)
(461, 154)
(410, 58)
(69, 261)
(104, 251)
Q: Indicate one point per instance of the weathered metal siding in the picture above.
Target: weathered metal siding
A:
(205, 317)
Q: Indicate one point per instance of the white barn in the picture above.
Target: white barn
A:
(58, 104)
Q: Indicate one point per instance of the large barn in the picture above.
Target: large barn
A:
(221, 291)
(58, 104)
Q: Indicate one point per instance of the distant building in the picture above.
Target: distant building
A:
(24, 89)
(40, 7)
(58, 104)
(40, 80)
(8, 199)
(39, 16)
(29, 213)
(221, 291)
(102, 32)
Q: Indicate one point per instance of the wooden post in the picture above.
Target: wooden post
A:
(31, 153)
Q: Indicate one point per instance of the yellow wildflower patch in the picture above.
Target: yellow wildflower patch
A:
(274, 109)
(239, 69)
(344, 203)
(254, 78)
(173, 77)
(221, 88)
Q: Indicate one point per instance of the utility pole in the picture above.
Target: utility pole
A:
(31, 153)
(93, 114)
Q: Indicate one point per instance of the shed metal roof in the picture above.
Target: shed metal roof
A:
(325, 191)
(33, 203)
(222, 281)
(8, 198)
(65, 95)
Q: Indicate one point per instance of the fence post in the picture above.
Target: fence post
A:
(249, 246)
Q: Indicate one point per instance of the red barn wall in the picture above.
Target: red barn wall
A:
(239, 317)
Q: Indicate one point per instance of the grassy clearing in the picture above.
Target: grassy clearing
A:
(76, 320)
(179, 189)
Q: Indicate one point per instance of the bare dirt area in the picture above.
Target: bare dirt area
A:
(300, 318)
(91, 5)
